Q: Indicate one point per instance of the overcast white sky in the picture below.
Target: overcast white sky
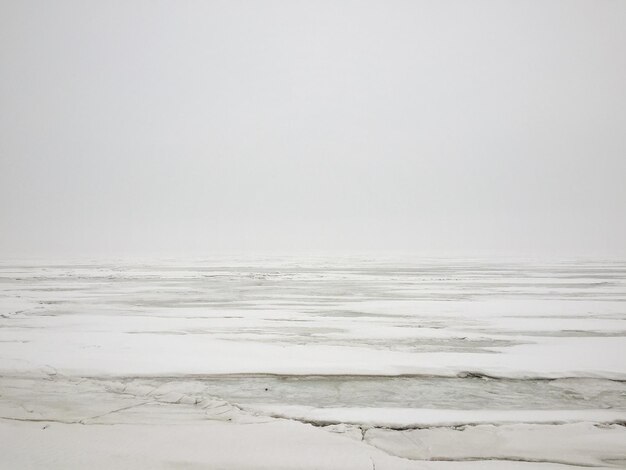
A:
(135, 127)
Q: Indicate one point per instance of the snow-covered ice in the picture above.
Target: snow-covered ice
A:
(324, 362)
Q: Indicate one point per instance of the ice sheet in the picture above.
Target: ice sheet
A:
(508, 349)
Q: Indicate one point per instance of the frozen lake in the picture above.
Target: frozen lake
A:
(400, 362)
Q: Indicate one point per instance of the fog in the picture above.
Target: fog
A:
(185, 127)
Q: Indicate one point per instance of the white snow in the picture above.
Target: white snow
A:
(118, 346)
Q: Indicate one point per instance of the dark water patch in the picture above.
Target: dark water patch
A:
(558, 333)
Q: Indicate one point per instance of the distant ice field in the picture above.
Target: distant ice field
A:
(316, 316)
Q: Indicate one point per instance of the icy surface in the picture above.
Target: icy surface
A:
(446, 362)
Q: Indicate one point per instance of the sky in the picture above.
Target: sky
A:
(192, 127)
